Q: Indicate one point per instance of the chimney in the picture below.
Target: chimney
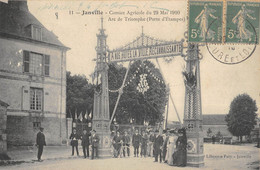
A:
(18, 4)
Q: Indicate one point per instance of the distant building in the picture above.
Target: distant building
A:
(32, 76)
(173, 125)
(216, 123)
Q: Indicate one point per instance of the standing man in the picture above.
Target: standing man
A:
(158, 142)
(151, 142)
(74, 141)
(165, 141)
(117, 141)
(213, 139)
(136, 140)
(94, 142)
(144, 142)
(85, 142)
(126, 144)
(40, 142)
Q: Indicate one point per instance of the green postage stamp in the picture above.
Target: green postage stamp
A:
(242, 22)
(205, 21)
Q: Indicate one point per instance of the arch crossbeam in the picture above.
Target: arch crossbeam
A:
(145, 47)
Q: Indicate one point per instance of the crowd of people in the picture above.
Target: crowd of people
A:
(87, 140)
(168, 146)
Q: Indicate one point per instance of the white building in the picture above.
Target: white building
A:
(32, 77)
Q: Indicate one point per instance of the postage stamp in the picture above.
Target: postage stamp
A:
(201, 15)
(242, 22)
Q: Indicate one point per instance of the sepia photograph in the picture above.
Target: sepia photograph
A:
(129, 85)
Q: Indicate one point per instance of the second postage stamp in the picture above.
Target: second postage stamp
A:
(206, 22)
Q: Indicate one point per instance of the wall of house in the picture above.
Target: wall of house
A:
(21, 131)
(15, 90)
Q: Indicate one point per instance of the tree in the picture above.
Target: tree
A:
(219, 135)
(147, 106)
(242, 116)
(80, 95)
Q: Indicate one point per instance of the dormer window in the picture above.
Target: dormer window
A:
(36, 32)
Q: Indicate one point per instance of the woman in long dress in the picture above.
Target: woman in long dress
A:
(180, 156)
(171, 147)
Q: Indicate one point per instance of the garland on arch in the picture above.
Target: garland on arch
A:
(143, 85)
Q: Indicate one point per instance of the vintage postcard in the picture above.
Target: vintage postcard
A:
(135, 85)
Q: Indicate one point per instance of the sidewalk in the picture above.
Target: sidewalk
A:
(217, 156)
(28, 154)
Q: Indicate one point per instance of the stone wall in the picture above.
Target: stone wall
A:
(21, 131)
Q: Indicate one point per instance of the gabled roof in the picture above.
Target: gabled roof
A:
(214, 119)
(14, 23)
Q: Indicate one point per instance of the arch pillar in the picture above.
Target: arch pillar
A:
(192, 108)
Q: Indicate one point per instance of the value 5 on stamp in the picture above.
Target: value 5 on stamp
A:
(242, 22)
(201, 15)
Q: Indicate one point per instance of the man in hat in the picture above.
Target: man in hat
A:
(117, 141)
(144, 141)
(40, 142)
(74, 141)
(151, 142)
(126, 144)
(136, 140)
(158, 142)
(94, 142)
(85, 142)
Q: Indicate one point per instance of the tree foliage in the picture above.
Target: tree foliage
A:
(134, 105)
(80, 95)
(242, 115)
(147, 107)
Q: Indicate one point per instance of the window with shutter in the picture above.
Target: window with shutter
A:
(36, 64)
(46, 65)
(26, 61)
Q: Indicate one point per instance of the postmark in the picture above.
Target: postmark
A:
(231, 54)
(201, 14)
(242, 22)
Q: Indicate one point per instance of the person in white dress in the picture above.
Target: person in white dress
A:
(171, 146)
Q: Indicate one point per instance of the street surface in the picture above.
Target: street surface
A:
(217, 156)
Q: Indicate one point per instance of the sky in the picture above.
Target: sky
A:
(220, 83)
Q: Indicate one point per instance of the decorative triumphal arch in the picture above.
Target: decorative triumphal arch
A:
(142, 48)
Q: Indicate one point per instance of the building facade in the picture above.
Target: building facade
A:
(216, 123)
(32, 77)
